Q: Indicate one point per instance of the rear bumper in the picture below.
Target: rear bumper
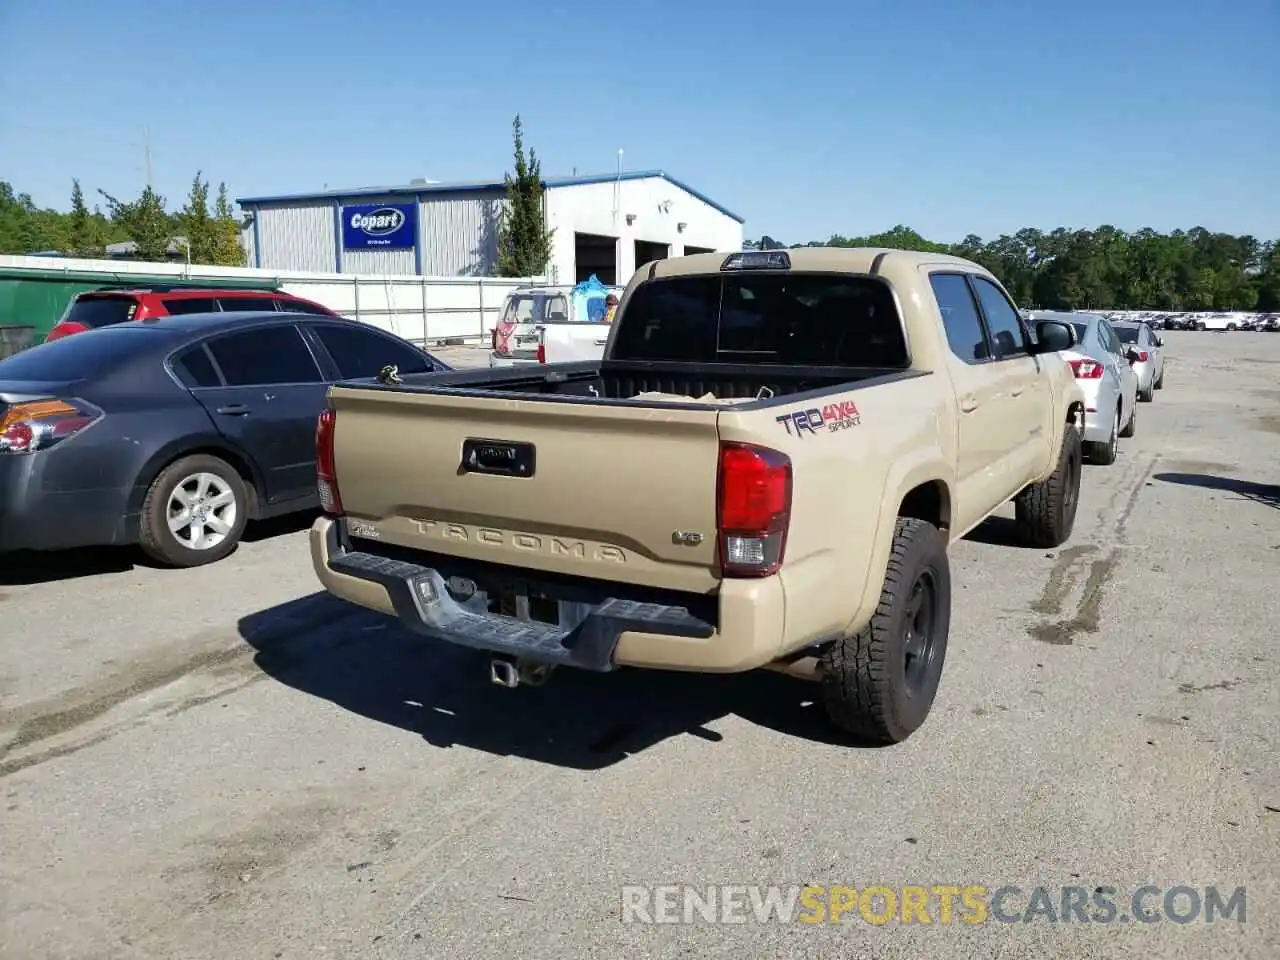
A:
(496, 361)
(601, 627)
(35, 518)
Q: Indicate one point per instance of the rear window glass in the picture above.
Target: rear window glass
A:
(183, 305)
(81, 356)
(102, 311)
(1127, 334)
(1082, 331)
(794, 318)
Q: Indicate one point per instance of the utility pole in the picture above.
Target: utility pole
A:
(146, 146)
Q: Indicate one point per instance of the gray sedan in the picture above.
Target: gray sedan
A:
(1149, 366)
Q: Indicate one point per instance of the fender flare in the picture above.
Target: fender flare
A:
(213, 443)
(905, 475)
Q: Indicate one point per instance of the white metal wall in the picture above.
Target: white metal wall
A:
(297, 237)
(659, 208)
(459, 233)
(457, 236)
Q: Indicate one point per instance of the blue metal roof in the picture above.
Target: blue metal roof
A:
(467, 186)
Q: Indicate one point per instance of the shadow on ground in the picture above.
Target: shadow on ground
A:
(997, 532)
(1264, 493)
(368, 664)
(28, 567)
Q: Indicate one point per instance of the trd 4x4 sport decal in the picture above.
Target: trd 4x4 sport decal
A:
(827, 419)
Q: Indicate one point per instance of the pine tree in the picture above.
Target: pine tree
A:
(524, 243)
(83, 229)
(227, 251)
(199, 228)
(146, 222)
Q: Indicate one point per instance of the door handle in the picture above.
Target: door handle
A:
(969, 403)
(233, 410)
(601, 343)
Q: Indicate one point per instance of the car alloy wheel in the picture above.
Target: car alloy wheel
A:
(201, 511)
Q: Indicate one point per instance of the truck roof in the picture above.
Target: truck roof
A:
(821, 259)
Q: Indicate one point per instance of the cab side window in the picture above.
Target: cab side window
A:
(960, 317)
(1006, 328)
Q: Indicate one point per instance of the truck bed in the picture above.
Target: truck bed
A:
(624, 383)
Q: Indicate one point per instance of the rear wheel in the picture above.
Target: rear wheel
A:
(1105, 453)
(879, 684)
(1149, 394)
(1045, 512)
(194, 513)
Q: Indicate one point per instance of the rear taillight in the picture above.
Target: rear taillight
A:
(493, 339)
(1086, 369)
(753, 509)
(326, 475)
(40, 424)
(1142, 356)
(542, 352)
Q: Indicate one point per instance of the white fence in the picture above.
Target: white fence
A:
(424, 309)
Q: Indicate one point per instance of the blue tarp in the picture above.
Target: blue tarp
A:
(588, 299)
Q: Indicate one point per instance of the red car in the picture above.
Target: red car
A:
(101, 308)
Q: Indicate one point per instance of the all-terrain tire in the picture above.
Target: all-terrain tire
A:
(1104, 454)
(154, 534)
(1045, 512)
(865, 676)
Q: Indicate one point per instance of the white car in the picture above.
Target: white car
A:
(1104, 369)
(549, 325)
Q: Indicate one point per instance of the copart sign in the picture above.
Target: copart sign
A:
(385, 226)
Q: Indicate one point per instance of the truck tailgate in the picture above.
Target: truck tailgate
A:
(589, 489)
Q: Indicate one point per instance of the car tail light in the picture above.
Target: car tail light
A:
(64, 328)
(753, 509)
(326, 475)
(542, 352)
(40, 424)
(1142, 356)
(493, 339)
(1086, 369)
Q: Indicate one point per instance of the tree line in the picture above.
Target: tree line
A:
(211, 235)
(1108, 268)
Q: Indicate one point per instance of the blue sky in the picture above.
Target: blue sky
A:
(806, 118)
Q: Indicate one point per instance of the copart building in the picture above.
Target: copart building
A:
(607, 225)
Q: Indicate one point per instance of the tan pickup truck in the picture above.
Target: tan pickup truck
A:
(765, 470)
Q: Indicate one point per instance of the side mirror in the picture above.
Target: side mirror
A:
(1053, 335)
(1132, 355)
(1159, 342)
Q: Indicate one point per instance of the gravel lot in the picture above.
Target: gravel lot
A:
(224, 763)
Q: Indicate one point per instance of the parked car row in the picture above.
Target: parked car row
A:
(1200, 321)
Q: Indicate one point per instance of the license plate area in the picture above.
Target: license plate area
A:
(522, 603)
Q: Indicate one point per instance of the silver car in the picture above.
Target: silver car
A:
(1103, 368)
(1150, 363)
